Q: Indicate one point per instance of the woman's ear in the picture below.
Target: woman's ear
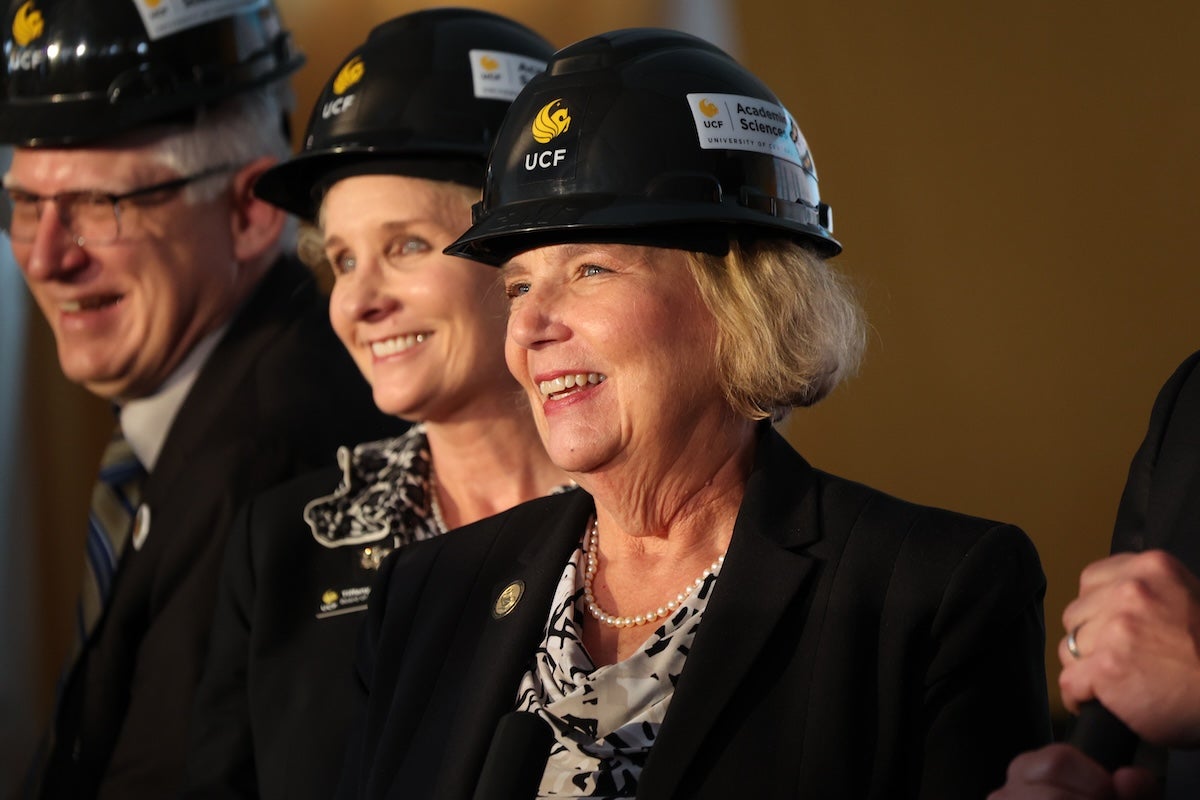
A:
(256, 224)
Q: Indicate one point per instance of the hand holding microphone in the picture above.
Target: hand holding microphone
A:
(1133, 644)
(1131, 670)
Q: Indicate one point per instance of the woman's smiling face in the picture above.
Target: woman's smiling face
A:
(614, 347)
(426, 329)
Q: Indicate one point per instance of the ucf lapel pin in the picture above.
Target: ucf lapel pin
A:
(507, 600)
(141, 526)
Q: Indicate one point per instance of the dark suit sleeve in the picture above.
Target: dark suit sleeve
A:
(221, 749)
(985, 694)
(1172, 415)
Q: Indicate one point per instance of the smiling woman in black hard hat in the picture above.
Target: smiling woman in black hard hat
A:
(712, 617)
(393, 158)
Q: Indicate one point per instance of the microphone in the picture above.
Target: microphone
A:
(516, 759)
(1102, 737)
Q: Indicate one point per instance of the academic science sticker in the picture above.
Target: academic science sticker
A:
(165, 17)
(737, 122)
(500, 76)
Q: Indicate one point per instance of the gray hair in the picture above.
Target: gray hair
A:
(235, 132)
(789, 328)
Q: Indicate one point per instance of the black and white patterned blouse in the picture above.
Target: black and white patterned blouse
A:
(383, 501)
(605, 719)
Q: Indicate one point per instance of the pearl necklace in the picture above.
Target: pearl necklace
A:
(592, 551)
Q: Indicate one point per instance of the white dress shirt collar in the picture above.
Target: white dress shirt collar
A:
(147, 420)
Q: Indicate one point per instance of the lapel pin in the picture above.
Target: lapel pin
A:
(508, 599)
(141, 526)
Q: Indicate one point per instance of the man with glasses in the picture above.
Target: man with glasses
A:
(139, 130)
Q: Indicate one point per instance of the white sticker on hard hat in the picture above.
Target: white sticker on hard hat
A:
(737, 122)
(165, 17)
(500, 76)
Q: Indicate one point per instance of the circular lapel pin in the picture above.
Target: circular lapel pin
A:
(508, 599)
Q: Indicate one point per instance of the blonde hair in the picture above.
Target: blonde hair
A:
(789, 327)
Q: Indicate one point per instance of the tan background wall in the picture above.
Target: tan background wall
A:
(1015, 189)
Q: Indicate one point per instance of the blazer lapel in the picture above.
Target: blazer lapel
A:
(765, 568)
(222, 377)
(503, 645)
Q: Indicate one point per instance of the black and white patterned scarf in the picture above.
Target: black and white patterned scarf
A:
(605, 719)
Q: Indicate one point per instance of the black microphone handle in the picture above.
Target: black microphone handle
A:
(516, 759)
(1103, 737)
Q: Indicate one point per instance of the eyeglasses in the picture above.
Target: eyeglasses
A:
(91, 217)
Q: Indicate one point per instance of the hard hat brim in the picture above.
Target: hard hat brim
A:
(296, 185)
(531, 224)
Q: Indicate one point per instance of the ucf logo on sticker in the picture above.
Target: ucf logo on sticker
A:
(550, 123)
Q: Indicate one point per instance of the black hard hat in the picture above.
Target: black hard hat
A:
(646, 136)
(423, 96)
(82, 70)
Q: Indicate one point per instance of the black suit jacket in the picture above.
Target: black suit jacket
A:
(1160, 508)
(275, 700)
(854, 646)
(276, 398)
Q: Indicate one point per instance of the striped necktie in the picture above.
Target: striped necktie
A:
(115, 499)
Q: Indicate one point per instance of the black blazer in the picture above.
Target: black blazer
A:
(854, 646)
(276, 398)
(274, 703)
(1160, 508)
